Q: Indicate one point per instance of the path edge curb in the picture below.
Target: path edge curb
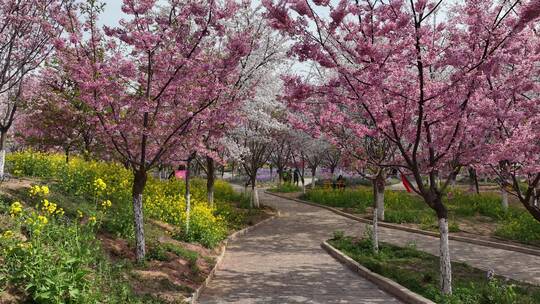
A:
(197, 293)
(480, 242)
(382, 282)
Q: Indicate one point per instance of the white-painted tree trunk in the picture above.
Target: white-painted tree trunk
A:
(2, 163)
(139, 182)
(379, 201)
(255, 197)
(139, 227)
(211, 199)
(375, 232)
(445, 262)
(3, 136)
(504, 199)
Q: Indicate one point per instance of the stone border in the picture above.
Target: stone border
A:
(197, 293)
(382, 282)
(499, 245)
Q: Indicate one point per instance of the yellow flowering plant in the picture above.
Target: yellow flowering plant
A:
(38, 191)
(8, 234)
(108, 186)
(99, 185)
(15, 209)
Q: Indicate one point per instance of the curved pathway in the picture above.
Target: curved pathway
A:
(281, 262)
(511, 264)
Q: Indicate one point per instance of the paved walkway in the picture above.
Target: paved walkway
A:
(282, 262)
(511, 264)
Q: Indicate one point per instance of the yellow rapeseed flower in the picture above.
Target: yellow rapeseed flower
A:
(92, 220)
(60, 211)
(15, 209)
(45, 190)
(80, 214)
(99, 184)
(7, 234)
(42, 219)
(25, 245)
(39, 190)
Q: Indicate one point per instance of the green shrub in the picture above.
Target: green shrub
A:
(286, 188)
(204, 227)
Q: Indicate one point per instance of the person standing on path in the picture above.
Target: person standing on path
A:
(296, 176)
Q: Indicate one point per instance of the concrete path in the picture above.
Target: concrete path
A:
(515, 265)
(282, 262)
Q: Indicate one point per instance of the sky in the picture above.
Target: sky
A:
(112, 13)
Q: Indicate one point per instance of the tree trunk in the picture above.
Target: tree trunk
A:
(210, 180)
(375, 232)
(67, 155)
(375, 228)
(3, 135)
(256, 198)
(254, 194)
(445, 262)
(444, 248)
(473, 186)
(188, 195)
(313, 177)
(504, 198)
(534, 198)
(139, 182)
(379, 196)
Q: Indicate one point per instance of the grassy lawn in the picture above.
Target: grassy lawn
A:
(465, 209)
(419, 272)
(285, 188)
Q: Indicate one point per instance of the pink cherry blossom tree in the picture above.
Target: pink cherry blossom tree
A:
(412, 74)
(151, 79)
(54, 118)
(512, 151)
(27, 29)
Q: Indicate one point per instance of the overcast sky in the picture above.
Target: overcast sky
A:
(112, 12)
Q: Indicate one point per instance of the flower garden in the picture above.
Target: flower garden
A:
(51, 231)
